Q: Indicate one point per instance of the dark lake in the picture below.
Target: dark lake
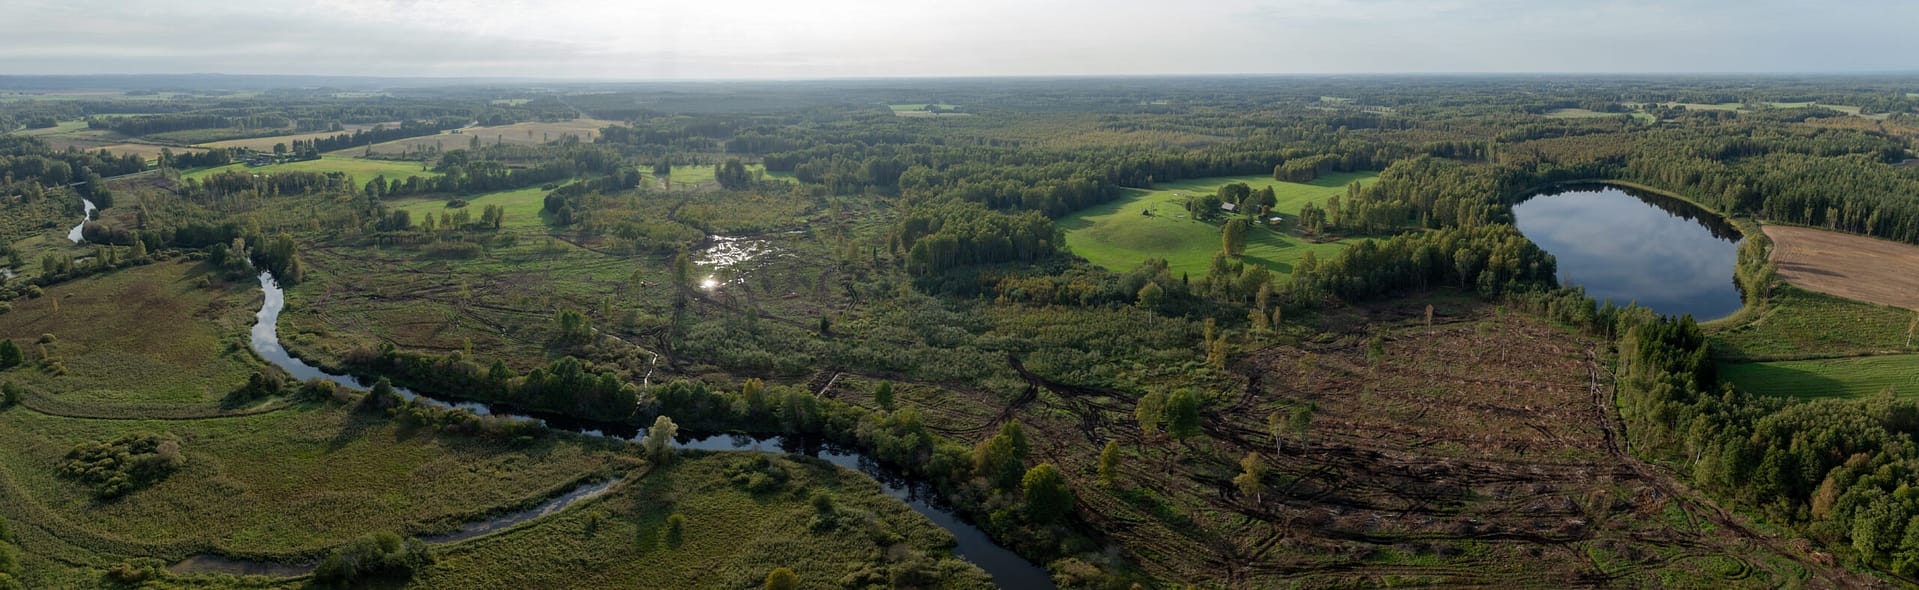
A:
(1632, 246)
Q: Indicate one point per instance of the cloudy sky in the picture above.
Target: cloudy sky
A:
(647, 39)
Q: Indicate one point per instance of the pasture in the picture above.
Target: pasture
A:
(1120, 234)
(1847, 265)
(1828, 378)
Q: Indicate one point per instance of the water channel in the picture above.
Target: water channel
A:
(1008, 569)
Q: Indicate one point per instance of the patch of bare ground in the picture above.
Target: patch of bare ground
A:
(1483, 451)
(1847, 265)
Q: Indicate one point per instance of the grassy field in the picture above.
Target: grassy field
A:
(528, 133)
(1579, 114)
(1118, 235)
(278, 483)
(361, 169)
(1801, 324)
(1824, 378)
(182, 365)
(701, 176)
(733, 536)
(522, 206)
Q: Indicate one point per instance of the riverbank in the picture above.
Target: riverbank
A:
(972, 543)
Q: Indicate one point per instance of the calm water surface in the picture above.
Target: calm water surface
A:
(1629, 246)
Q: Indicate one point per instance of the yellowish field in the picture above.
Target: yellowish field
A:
(530, 133)
(266, 143)
(1850, 266)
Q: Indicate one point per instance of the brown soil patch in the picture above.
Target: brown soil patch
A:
(1850, 266)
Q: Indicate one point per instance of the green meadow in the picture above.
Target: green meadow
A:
(1824, 378)
(522, 206)
(1119, 235)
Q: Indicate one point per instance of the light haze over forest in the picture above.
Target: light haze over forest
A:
(602, 39)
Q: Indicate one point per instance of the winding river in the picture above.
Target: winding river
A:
(1008, 569)
(1629, 246)
(86, 215)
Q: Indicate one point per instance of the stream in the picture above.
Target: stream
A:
(1008, 569)
(86, 215)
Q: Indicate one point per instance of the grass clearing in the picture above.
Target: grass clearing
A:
(188, 354)
(285, 483)
(1801, 324)
(1579, 114)
(1119, 235)
(360, 169)
(1828, 378)
(523, 206)
(528, 133)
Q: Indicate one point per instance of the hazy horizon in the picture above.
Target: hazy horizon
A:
(831, 39)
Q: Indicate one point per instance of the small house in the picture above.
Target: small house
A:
(1228, 207)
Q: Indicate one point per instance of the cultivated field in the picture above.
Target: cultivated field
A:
(1847, 265)
(1119, 235)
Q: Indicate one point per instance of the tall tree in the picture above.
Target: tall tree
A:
(1182, 415)
(1150, 412)
(1048, 499)
(1233, 236)
(1109, 463)
(1251, 480)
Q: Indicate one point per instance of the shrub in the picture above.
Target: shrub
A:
(675, 532)
(122, 465)
(374, 555)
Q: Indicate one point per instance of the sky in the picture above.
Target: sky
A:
(796, 39)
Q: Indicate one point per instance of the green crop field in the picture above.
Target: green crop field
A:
(361, 169)
(1823, 378)
(1118, 235)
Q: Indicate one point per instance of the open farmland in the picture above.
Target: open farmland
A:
(1120, 234)
(1847, 265)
